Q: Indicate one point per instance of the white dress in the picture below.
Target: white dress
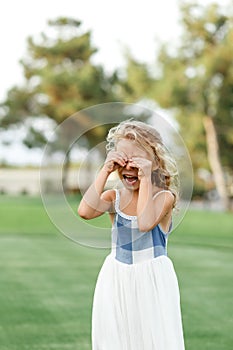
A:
(136, 303)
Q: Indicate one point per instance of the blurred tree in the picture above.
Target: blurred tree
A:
(136, 80)
(196, 81)
(60, 79)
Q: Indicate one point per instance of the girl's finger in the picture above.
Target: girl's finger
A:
(120, 161)
(123, 155)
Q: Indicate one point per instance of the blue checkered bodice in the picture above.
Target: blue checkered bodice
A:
(132, 246)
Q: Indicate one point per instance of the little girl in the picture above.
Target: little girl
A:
(136, 303)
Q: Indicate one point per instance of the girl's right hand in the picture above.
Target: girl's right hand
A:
(114, 161)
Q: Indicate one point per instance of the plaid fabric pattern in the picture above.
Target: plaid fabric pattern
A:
(132, 246)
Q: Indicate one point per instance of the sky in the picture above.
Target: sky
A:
(137, 25)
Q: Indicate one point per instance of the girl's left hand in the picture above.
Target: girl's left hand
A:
(144, 167)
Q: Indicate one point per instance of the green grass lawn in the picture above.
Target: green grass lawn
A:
(47, 281)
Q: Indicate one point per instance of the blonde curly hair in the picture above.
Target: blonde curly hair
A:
(147, 137)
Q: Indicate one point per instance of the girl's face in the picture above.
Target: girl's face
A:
(129, 174)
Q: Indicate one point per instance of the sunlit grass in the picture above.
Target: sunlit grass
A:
(47, 281)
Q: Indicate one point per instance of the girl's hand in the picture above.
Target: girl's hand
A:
(143, 165)
(114, 161)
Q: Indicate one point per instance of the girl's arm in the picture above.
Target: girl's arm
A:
(95, 202)
(150, 210)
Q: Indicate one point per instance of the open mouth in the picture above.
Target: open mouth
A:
(130, 179)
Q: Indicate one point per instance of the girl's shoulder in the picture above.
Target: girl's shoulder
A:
(109, 195)
(168, 193)
(165, 198)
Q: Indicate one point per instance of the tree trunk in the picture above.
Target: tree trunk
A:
(214, 161)
(65, 171)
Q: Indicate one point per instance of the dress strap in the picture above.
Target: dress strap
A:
(117, 200)
(156, 194)
(170, 225)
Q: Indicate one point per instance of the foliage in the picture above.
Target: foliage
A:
(195, 81)
(198, 79)
(136, 81)
(60, 78)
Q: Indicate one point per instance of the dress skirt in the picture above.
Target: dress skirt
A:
(137, 306)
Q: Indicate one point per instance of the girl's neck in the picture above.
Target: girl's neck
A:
(131, 193)
(134, 193)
